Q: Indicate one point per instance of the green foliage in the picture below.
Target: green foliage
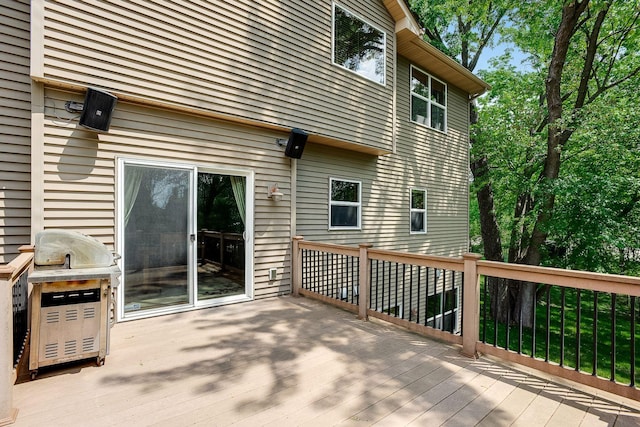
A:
(595, 218)
(218, 210)
(461, 29)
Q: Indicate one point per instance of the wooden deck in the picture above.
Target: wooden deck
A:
(293, 361)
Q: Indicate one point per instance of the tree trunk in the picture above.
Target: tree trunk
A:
(514, 301)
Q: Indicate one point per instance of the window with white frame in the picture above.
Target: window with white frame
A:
(428, 100)
(345, 202)
(358, 46)
(418, 211)
(442, 310)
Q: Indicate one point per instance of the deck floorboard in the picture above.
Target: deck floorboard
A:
(297, 362)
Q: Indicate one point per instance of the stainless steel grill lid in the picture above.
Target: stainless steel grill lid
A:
(53, 247)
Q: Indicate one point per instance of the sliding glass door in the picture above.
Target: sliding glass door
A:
(183, 238)
(221, 232)
(156, 237)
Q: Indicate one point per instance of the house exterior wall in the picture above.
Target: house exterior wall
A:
(15, 123)
(424, 158)
(80, 172)
(269, 62)
(214, 84)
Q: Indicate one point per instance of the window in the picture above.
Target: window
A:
(428, 100)
(418, 211)
(344, 204)
(358, 46)
(442, 310)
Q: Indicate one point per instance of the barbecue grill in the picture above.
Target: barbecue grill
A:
(73, 299)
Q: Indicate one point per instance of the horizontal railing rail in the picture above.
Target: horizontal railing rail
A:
(573, 324)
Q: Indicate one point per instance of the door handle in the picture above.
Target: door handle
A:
(192, 237)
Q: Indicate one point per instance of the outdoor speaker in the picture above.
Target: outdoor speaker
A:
(97, 110)
(295, 144)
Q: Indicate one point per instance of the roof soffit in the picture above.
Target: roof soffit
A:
(412, 46)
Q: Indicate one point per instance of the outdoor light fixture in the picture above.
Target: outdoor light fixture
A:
(274, 193)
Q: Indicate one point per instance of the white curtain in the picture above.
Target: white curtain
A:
(132, 181)
(239, 186)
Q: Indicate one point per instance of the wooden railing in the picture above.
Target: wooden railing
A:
(13, 320)
(449, 299)
(223, 249)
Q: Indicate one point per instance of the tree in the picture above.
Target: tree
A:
(579, 51)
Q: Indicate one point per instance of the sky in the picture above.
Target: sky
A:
(518, 57)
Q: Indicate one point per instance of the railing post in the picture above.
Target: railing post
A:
(364, 279)
(7, 411)
(471, 305)
(296, 265)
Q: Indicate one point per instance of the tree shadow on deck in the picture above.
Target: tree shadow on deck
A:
(296, 360)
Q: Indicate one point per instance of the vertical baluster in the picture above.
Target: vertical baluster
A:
(356, 277)
(404, 290)
(355, 283)
(485, 303)
(377, 283)
(370, 285)
(633, 342)
(520, 330)
(316, 269)
(389, 287)
(454, 302)
(595, 334)
(508, 325)
(410, 292)
(495, 322)
(438, 309)
(312, 271)
(349, 279)
(334, 276)
(613, 337)
(460, 303)
(426, 296)
(562, 319)
(578, 326)
(534, 303)
(396, 293)
(418, 296)
(325, 273)
(305, 268)
(443, 299)
(548, 330)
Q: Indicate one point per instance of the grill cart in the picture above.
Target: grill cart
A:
(72, 301)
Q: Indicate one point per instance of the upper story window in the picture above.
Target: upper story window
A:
(418, 211)
(345, 202)
(358, 46)
(428, 100)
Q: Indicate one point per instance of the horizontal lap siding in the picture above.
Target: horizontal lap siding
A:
(15, 134)
(80, 172)
(268, 61)
(424, 158)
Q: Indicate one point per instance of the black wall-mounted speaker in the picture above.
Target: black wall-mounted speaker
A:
(295, 144)
(97, 110)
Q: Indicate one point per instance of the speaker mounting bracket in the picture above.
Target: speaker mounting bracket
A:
(74, 107)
